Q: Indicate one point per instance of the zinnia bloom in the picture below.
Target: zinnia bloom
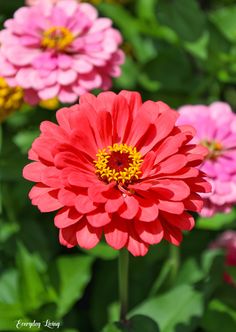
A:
(216, 129)
(59, 50)
(11, 99)
(119, 167)
(227, 241)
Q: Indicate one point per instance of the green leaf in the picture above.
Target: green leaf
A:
(224, 20)
(9, 292)
(184, 17)
(73, 273)
(219, 315)
(129, 76)
(189, 273)
(146, 9)
(182, 305)
(199, 48)
(7, 229)
(33, 291)
(9, 315)
(218, 221)
(24, 139)
(103, 251)
(138, 323)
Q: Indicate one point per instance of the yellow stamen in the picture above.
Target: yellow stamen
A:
(215, 148)
(50, 104)
(58, 38)
(119, 162)
(11, 99)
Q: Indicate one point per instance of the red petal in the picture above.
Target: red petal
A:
(172, 234)
(45, 198)
(98, 218)
(163, 125)
(83, 204)
(194, 203)
(172, 164)
(151, 232)
(134, 100)
(116, 233)
(113, 205)
(66, 197)
(169, 147)
(33, 171)
(67, 236)
(129, 209)
(51, 177)
(148, 210)
(67, 217)
(136, 246)
(175, 190)
(63, 116)
(87, 236)
(171, 207)
(183, 221)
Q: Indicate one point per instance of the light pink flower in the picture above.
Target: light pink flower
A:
(59, 50)
(227, 241)
(216, 129)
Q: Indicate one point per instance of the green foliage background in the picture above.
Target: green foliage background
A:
(178, 51)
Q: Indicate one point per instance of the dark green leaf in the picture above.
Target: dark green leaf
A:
(184, 17)
(224, 20)
(219, 315)
(73, 273)
(138, 323)
(180, 307)
(33, 290)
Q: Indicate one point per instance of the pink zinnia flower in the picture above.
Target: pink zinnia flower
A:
(227, 241)
(119, 167)
(216, 129)
(59, 50)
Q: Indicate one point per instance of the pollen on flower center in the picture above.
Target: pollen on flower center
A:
(58, 38)
(119, 162)
(215, 148)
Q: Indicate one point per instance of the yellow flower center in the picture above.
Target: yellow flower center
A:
(58, 38)
(119, 162)
(11, 99)
(215, 148)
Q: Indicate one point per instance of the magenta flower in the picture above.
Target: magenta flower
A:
(216, 129)
(59, 50)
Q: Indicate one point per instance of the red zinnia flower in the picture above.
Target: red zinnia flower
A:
(118, 167)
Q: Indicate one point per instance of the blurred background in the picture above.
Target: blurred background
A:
(180, 52)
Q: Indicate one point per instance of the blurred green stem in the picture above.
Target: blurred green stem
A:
(123, 283)
(175, 262)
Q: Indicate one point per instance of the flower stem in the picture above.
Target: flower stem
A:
(123, 283)
(175, 260)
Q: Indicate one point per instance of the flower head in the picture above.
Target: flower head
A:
(11, 99)
(227, 241)
(216, 129)
(119, 167)
(59, 49)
